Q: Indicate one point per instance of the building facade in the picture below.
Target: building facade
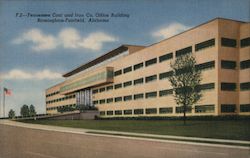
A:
(132, 81)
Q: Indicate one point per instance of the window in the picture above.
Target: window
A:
(205, 66)
(95, 102)
(101, 89)
(138, 81)
(110, 100)
(245, 86)
(151, 94)
(204, 87)
(245, 42)
(117, 86)
(166, 57)
(204, 108)
(118, 99)
(151, 78)
(166, 110)
(227, 42)
(180, 109)
(118, 72)
(118, 112)
(165, 75)
(138, 111)
(138, 66)
(245, 64)
(128, 69)
(127, 112)
(228, 108)
(95, 91)
(102, 101)
(151, 111)
(165, 92)
(205, 44)
(108, 88)
(102, 113)
(151, 62)
(226, 64)
(138, 96)
(228, 86)
(109, 112)
(245, 108)
(183, 51)
(127, 98)
(126, 84)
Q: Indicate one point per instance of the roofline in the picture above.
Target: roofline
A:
(214, 19)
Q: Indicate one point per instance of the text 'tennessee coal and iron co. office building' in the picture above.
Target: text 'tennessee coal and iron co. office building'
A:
(133, 81)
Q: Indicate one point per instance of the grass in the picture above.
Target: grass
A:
(228, 129)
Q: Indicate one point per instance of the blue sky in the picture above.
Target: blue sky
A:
(34, 55)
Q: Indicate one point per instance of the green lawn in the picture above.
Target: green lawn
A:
(238, 130)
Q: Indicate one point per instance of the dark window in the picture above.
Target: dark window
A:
(118, 86)
(118, 99)
(138, 111)
(109, 112)
(126, 84)
(151, 78)
(110, 100)
(118, 72)
(151, 62)
(151, 111)
(165, 75)
(245, 42)
(151, 94)
(138, 66)
(165, 92)
(102, 113)
(205, 44)
(108, 88)
(228, 86)
(101, 89)
(138, 81)
(245, 86)
(95, 102)
(127, 98)
(180, 109)
(128, 69)
(228, 108)
(118, 112)
(245, 108)
(95, 91)
(166, 57)
(226, 64)
(207, 86)
(183, 51)
(127, 112)
(166, 110)
(204, 108)
(138, 96)
(227, 42)
(245, 64)
(205, 66)
(102, 101)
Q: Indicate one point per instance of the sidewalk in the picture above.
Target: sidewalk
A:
(128, 135)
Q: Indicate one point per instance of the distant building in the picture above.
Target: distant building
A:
(132, 80)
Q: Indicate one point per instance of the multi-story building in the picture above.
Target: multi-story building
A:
(133, 80)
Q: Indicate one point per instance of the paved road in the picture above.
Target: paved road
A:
(20, 142)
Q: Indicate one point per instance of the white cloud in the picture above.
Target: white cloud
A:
(170, 30)
(17, 74)
(67, 38)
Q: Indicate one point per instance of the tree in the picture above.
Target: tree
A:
(32, 110)
(185, 81)
(12, 114)
(25, 112)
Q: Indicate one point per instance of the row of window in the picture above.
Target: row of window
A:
(61, 99)
(226, 64)
(232, 86)
(228, 42)
(231, 108)
(57, 107)
(148, 95)
(51, 94)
